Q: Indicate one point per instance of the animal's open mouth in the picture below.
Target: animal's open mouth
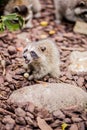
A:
(81, 13)
(27, 61)
(84, 16)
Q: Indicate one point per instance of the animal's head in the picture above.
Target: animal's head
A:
(20, 7)
(81, 9)
(37, 52)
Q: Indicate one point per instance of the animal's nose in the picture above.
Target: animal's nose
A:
(23, 10)
(25, 56)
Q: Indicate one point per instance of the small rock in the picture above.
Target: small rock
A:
(73, 127)
(8, 77)
(56, 123)
(42, 124)
(1, 80)
(57, 128)
(29, 120)
(76, 120)
(20, 112)
(9, 126)
(9, 122)
(86, 124)
(30, 107)
(58, 114)
(11, 50)
(81, 126)
(43, 36)
(30, 115)
(67, 120)
(20, 120)
(80, 81)
(43, 113)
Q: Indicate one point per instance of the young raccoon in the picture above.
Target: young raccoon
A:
(72, 10)
(24, 8)
(42, 58)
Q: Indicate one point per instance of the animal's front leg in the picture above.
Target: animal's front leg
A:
(36, 75)
(29, 20)
(57, 12)
(29, 24)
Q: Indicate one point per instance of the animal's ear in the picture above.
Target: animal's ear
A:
(82, 3)
(43, 48)
(34, 55)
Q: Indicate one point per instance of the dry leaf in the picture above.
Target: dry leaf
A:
(52, 32)
(44, 23)
(64, 125)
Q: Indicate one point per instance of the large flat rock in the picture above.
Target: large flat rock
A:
(78, 62)
(51, 96)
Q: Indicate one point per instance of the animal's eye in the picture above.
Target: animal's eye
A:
(82, 4)
(43, 49)
(25, 50)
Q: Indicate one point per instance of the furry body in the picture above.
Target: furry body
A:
(72, 10)
(24, 8)
(42, 58)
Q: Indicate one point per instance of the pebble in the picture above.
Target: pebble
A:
(73, 127)
(20, 120)
(76, 120)
(56, 123)
(20, 112)
(58, 114)
(67, 120)
(80, 81)
(30, 107)
(30, 115)
(29, 120)
(8, 120)
(12, 50)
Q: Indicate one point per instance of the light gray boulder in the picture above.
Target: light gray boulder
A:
(51, 96)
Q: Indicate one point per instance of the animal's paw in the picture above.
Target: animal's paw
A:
(29, 25)
(58, 21)
(37, 15)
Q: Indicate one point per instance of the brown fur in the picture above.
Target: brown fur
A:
(46, 59)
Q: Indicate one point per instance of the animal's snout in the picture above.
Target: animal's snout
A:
(25, 57)
(22, 10)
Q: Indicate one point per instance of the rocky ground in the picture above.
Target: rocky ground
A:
(14, 117)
